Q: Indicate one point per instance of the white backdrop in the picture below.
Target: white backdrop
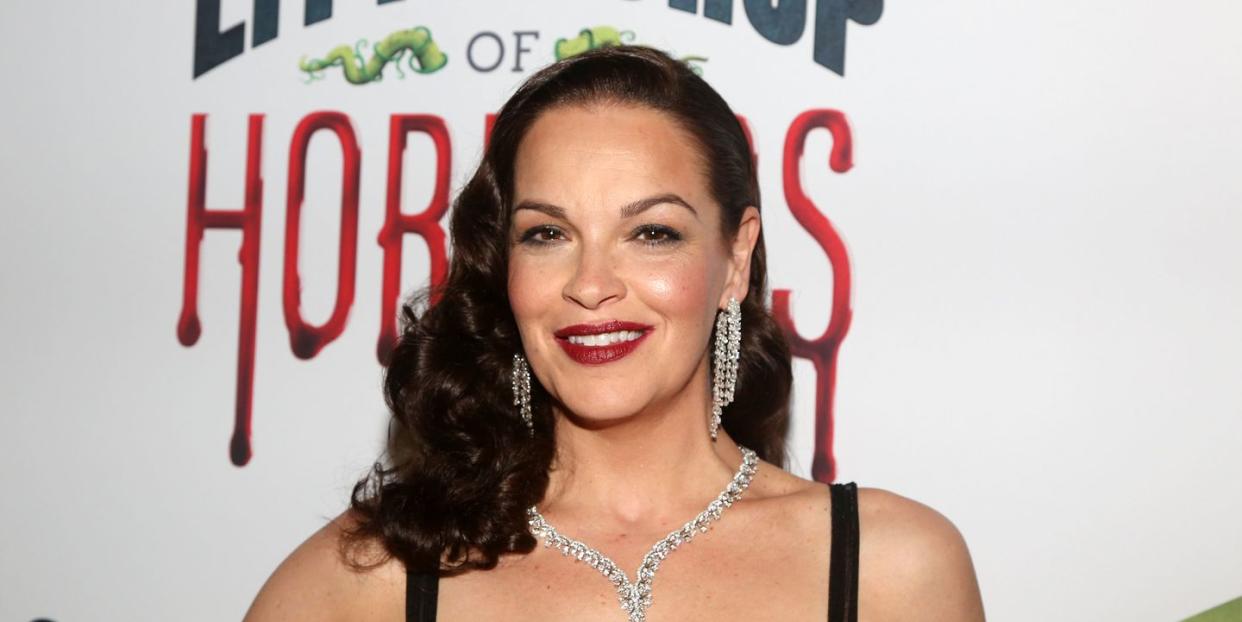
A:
(1042, 219)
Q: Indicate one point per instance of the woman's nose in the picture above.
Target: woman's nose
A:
(595, 279)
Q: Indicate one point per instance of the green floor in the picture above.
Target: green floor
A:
(1228, 612)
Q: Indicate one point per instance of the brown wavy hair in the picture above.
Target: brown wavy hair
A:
(461, 469)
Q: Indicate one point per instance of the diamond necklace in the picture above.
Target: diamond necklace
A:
(636, 597)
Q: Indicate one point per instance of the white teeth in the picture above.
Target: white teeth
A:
(604, 339)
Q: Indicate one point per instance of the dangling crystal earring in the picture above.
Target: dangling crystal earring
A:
(728, 350)
(521, 391)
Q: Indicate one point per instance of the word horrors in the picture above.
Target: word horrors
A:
(306, 340)
(782, 22)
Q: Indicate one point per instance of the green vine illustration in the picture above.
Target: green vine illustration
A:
(600, 36)
(417, 42)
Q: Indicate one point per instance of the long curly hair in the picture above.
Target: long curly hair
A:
(461, 468)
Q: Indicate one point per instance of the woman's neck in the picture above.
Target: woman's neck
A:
(651, 468)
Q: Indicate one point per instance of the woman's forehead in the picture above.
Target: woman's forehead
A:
(606, 152)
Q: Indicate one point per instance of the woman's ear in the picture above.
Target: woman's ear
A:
(740, 252)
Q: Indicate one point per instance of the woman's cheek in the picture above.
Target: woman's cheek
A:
(678, 289)
(524, 287)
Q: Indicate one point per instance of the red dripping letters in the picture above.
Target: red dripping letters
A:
(307, 340)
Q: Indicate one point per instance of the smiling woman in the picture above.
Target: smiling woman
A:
(588, 253)
(600, 371)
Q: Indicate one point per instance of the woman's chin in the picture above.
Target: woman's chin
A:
(596, 418)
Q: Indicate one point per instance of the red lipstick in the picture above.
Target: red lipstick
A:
(598, 355)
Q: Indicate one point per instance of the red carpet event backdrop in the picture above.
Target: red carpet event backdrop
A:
(1002, 238)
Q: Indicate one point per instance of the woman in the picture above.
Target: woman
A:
(569, 384)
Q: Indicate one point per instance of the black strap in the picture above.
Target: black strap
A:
(422, 590)
(843, 567)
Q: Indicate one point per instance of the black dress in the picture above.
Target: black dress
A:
(422, 589)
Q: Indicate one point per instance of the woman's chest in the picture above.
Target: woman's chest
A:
(727, 575)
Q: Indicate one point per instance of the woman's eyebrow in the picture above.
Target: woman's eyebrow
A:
(627, 211)
(637, 207)
(539, 206)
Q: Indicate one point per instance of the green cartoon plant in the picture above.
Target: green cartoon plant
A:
(591, 38)
(601, 36)
(417, 42)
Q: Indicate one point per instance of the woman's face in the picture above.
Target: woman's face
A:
(613, 222)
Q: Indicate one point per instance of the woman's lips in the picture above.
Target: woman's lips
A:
(597, 355)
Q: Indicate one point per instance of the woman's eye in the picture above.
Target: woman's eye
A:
(657, 234)
(543, 234)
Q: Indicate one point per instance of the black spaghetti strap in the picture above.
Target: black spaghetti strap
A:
(422, 590)
(843, 566)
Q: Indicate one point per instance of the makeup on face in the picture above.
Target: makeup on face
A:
(604, 342)
(615, 263)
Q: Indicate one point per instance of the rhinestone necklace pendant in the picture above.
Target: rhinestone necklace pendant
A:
(635, 596)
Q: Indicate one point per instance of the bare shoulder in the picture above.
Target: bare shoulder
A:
(802, 503)
(317, 583)
(800, 506)
(913, 562)
(773, 481)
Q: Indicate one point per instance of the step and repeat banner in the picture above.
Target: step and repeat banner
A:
(1003, 239)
